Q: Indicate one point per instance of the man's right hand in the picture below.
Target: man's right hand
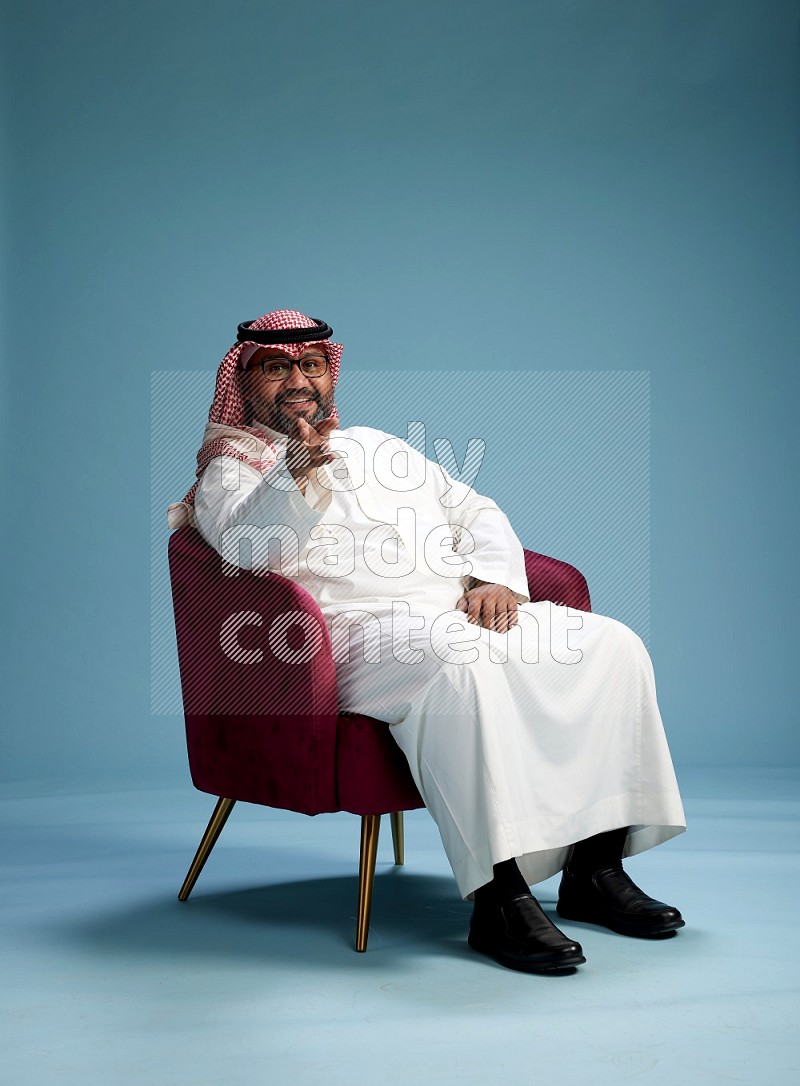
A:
(310, 450)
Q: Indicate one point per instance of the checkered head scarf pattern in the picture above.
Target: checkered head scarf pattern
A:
(227, 432)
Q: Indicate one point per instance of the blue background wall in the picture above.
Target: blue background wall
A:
(576, 186)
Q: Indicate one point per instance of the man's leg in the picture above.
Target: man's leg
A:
(595, 889)
(509, 925)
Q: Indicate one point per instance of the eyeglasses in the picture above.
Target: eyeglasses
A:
(278, 369)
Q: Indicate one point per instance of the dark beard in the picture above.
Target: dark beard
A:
(287, 425)
(271, 415)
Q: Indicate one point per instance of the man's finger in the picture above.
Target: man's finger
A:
(509, 609)
(505, 612)
(315, 436)
(306, 431)
(325, 426)
(488, 614)
(501, 621)
(462, 604)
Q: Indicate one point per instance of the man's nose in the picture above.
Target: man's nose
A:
(296, 379)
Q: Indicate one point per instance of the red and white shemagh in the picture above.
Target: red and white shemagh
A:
(227, 433)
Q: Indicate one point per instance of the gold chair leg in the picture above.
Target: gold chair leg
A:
(370, 828)
(397, 836)
(213, 830)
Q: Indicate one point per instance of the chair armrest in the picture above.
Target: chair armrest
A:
(551, 579)
(241, 637)
(261, 712)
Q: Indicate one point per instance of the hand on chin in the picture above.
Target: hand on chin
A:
(306, 411)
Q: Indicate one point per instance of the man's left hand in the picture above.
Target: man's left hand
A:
(491, 605)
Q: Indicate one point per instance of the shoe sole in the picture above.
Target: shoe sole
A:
(615, 925)
(522, 966)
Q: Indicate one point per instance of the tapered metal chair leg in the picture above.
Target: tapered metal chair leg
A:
(397, 837)
(370, 828)
(213, 830)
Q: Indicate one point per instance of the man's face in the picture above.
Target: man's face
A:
(280, 404)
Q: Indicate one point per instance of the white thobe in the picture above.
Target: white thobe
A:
(521, 743)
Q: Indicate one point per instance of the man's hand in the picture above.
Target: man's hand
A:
(310, 449)
(491, 605)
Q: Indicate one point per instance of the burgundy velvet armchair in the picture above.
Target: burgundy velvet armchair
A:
(259, 699)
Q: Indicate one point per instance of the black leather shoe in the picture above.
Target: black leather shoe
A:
(519, 935)
(609, 897)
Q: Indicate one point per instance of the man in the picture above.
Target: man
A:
(531, 731)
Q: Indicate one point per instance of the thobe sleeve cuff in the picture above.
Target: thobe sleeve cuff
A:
(497, 557)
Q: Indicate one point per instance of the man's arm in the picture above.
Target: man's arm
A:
(494, 588)
(497, 556)
(235, 503)
(484, 535)
(497, 581)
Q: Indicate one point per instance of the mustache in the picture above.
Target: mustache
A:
(287, 397)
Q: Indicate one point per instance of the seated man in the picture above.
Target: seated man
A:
(532, 732)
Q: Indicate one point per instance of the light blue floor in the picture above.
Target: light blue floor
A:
(108, 979)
